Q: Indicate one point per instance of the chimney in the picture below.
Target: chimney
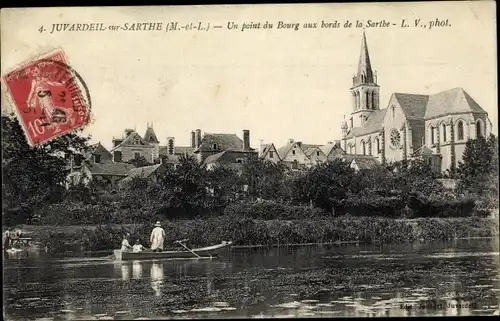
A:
(193, 139)
(299, 144)
(329, 143)
(171, 145)
(290, 141)
(128, 131)
(246, 139)
(117, 156)
(198, 138)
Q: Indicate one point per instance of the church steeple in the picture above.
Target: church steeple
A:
(365, 72)
(365, 91)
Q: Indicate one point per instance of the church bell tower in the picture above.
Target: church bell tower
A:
(364, 90)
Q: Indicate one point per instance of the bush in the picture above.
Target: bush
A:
(441, 206)
(373, 205)
(270, 210)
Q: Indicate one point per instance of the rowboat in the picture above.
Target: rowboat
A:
(196, 253)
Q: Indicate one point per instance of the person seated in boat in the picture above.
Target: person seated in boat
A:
(7, 238)
(157, 238)
(138, 247)
(126, 247)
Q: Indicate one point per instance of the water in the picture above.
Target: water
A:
(438, 279)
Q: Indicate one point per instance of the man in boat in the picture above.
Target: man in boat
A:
(138, 247)
(157, 238)
(7, 238)
(126, 247)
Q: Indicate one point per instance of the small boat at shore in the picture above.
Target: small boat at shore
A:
(196, 253)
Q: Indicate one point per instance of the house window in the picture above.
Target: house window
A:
(293, 152)
(433, 130)
(317, 153)
(214, 146)
(295, 164)
(137, 155)
(460, 130)
(239, 160)
(271, 154)
(97, 158)
(444, 133)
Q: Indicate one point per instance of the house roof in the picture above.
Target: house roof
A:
(179, 150)
(150, 136)
(373, 124)
(131, 139)
(144, 171)
(110, 169)
(454, 100)
(327, 149)
(365, 162)
(283, 151)
(310, 149)
(223, 142)
(214, 158)
(97, 148)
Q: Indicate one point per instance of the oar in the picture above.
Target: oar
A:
(181, 243)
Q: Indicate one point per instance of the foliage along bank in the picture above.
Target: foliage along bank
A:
(246, 231)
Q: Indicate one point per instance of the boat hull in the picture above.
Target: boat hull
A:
(204, 253)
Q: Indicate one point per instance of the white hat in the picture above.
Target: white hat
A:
(158, 223)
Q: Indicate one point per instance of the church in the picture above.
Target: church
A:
(435, 127)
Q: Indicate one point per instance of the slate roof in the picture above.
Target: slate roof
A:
(454, 100)
(283, 151)
(223, 141)
(373, 124)
(110, 169)
(150, 136)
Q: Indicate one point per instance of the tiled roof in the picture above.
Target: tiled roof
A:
(150, 136)
(110, 169)
(129, 141)
(223, 142)
(228, 157)
(373, 124)
(413, 106)
(214, 158)
(97, 148)
(283, 151)
(451, 101)
(310, 149)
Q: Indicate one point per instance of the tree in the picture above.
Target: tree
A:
(139, 161)
(265, 179)
(33, 175)
(479, 164)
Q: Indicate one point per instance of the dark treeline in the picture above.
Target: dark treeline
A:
(33, 187)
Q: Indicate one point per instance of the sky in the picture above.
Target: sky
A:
(277, 83)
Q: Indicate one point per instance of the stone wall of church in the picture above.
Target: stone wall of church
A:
(128, 152)
(394, 120)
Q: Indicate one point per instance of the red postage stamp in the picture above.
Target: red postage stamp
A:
(50, 98)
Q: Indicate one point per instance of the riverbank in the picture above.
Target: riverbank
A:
(246, 231)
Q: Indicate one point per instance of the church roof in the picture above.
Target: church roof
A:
(150, 136)
(365, 72)
(454, 100)
(373, 124)
(413, 106)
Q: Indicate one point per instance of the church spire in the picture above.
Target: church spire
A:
(365, 72)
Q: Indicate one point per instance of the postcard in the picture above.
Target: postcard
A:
(250, 161)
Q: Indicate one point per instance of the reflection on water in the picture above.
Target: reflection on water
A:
(458, 278)
(157, 277)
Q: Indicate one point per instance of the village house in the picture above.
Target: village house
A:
(133, 146)
(151, 173)
(298, 155)
(435, 126)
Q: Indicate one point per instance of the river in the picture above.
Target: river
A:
(454, 278)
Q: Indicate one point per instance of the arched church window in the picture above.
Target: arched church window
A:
(479, 129)
(395, 138)
(377, 140)
(352, 122)
(433, 135)
(364, 147)
(460, 130)
(367, 99)
(444, 133)
(369, 147)
(373, 100)
(393, 110)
